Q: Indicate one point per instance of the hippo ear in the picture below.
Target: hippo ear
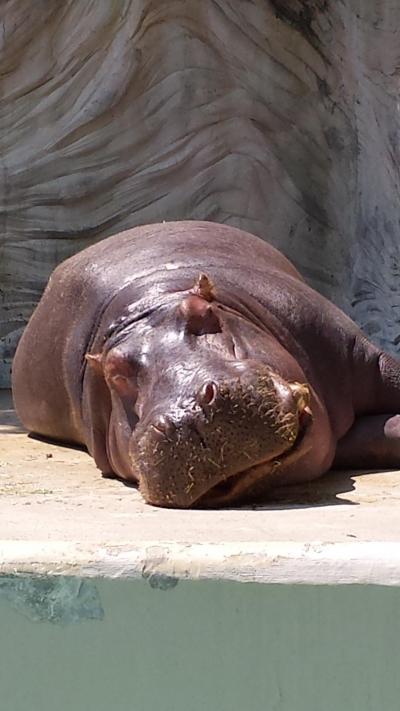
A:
(120, 374)
(203, 287)
(118, 371)
(199, 316)
(95, 362)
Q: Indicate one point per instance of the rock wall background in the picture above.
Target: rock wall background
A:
(277, 116)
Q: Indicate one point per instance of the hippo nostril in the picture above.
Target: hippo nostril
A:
(301, 394)
(164, 426)
(208, 393)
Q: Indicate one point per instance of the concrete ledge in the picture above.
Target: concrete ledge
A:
(59, 516)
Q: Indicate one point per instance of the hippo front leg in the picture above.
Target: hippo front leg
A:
(373, 442)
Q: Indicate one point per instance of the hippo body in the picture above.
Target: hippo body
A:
(193, 359)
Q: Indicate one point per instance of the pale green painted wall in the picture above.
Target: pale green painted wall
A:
(197, 647)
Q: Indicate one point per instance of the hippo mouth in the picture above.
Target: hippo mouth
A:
(237, 444)
(237, 486)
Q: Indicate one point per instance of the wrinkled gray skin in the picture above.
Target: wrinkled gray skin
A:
(191, 358)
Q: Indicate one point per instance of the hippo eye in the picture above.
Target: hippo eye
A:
(125, 387)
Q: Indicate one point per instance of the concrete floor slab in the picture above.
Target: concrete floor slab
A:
(58, 515)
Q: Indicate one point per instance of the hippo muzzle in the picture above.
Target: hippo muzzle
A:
(213, 448)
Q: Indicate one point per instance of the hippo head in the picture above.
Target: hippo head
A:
(197, 406)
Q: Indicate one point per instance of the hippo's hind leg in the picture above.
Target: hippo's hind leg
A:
(373, 442)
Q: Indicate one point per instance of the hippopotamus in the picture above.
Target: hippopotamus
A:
(192, 359)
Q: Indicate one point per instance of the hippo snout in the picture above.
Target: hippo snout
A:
(214, 444)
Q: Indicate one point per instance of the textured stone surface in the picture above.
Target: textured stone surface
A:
(279, 116)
